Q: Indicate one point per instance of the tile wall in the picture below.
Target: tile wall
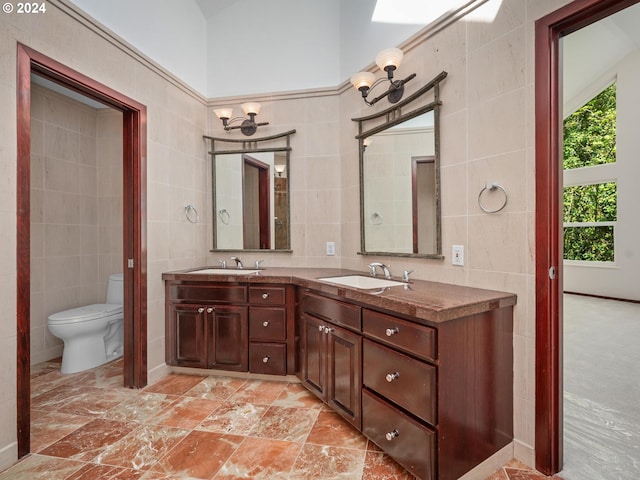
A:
(76, 205)
(487, 135)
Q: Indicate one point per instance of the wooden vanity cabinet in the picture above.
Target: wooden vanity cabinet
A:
(271, 324)
(236, 327)
(331, 355)
(207, 326)
(435, 396)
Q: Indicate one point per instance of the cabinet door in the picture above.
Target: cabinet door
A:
(188, 346)
(344, 373)
(228, 338)
(314, 355)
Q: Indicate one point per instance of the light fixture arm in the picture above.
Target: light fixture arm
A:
(394, 92)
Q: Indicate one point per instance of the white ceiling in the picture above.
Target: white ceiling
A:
(210, 8)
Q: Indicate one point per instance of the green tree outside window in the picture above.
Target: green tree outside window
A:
(590, 139)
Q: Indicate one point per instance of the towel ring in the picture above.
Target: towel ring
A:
(492, 187)
(225, 216)
(191, 213)
(376, 219)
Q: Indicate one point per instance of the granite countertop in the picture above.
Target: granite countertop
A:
(431, 301)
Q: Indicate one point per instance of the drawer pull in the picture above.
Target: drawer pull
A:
(201, 310)
(265, 359)
(391, 435)
(210, 309)
(265, 296)
(265, 323)
(392, 376)
(392, 331)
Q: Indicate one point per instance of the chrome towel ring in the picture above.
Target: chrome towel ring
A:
(225, 216)
(191, 213)
(492, 187)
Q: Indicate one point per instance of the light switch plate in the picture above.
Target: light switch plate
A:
(331, 248)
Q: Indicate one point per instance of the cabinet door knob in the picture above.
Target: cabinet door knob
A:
(265, 323)
(321, 328)
(328, 330)
(392, 376)
(209, 310)
(265, 295)
(265, 359)
(201, 310)
(392, 331)
(391, 435)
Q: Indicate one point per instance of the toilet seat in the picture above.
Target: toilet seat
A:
(85, 314)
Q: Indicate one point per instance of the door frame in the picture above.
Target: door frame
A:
(264, 199)
(548, 237)
(134, 223)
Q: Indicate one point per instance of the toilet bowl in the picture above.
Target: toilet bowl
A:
(92, 334)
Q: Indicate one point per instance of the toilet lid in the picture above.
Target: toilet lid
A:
(88, 312)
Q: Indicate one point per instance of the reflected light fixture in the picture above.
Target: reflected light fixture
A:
(388, 60)
(248, 126)
(279, 168)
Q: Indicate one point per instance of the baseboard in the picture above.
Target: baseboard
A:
(491, 464)
(227, 373)
(8, 455)
(158, 373)
(524, 453)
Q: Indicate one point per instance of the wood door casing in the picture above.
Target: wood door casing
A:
(548, 137)
(134, 222)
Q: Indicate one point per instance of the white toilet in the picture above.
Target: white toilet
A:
(92, 334)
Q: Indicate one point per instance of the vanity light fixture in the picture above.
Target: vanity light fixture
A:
(388, 60)
(279, 168)
(248, 126)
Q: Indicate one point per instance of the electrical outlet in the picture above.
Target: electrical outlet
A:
(331, 248)
(457, 255)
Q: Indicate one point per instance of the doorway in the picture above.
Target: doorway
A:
(549, 253)
(256, 203)
(31, 62)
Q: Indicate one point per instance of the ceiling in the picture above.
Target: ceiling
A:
(210, 8)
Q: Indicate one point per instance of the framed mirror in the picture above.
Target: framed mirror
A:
(250, 193)
(400, 177)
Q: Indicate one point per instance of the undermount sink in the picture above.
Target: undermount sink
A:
(226, 271)
(362, 281)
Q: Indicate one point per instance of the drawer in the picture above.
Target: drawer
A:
(405, 381)
(267, 295)
(269, 358)
(410, 443)
(267, 323)
(332, 310)
(418, 340)
(202, 292)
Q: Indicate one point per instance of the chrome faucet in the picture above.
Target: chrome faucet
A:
(223, 263)
(383, 267)
(238, 262)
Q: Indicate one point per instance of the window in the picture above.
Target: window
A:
(590, 208)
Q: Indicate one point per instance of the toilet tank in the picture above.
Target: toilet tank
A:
(115, 289)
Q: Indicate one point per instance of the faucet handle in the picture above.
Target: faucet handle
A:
(223, 263)
(258, 262)
(405, 275)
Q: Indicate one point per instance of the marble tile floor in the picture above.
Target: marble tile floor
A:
(87, 426)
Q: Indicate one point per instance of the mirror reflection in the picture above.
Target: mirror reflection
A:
(399, 188)
(251, 202)
(250, 193)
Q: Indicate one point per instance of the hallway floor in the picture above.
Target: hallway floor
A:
(86, 426)
(601, 389)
